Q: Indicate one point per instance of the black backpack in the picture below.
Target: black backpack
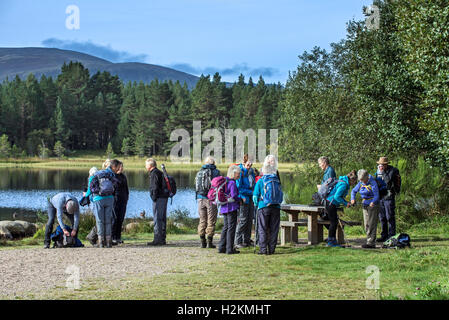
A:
(170, 183)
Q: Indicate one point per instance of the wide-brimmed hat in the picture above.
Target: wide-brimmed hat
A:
(383, 160)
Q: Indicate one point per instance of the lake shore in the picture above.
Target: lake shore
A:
(130, 163)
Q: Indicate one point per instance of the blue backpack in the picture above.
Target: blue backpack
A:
(382, 187)
(61, 241)
(272, 192)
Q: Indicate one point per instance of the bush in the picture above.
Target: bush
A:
(86, 223)
(182, 216)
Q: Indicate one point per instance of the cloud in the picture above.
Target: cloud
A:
(104, 52)
(237, 69)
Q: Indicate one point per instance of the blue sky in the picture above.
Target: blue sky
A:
(229, 36)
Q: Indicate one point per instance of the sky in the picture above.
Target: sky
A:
(252, 37)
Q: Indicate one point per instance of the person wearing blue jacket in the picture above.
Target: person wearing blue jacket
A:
(369, 191)
(268, 217)
(245, 185)
(335, 199)
(104, 205)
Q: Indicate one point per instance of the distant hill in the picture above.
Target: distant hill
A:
(48, 61)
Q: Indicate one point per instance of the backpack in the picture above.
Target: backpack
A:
(272, 191)
(383, 190)
(250, 174)
(62, 241)
(103, 183)
(398, 241)
(203, 181)
(217, 193)
(319, 198)
(170, 183)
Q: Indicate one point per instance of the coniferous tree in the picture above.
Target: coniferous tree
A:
(5, 147)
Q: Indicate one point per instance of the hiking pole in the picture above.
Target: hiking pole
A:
(256, 237)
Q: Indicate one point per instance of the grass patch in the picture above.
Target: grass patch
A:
(312, 272)
(86, 160)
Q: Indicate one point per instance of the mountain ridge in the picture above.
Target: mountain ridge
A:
(48, 61)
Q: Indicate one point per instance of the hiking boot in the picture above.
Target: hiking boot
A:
(115, 242)
(210, 245)
(233, 252)
(203, 242)
(108, 242)
(368, 246)
(242, 245)
(333, 243)
(152, 243)
(46, 246)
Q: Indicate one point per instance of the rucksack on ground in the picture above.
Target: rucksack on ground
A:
(62, 241)
(398, 241)
(272, 191)
(103, 183)
(203, 181)
(217, 193)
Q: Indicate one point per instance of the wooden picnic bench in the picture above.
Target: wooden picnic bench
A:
(289, 229)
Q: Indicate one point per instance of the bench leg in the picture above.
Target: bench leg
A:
(294, 234)
(285, 235)
(340, 235)
(312, 225)
(320, 233)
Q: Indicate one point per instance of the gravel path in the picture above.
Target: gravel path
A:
(35, 270)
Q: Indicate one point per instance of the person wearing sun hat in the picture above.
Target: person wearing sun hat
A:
(387, 216)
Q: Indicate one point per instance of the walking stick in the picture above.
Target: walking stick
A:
(256, 238)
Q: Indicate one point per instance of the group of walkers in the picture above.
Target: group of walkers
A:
(244, 195)
(108, 191)
(378, 193)
(248, 193)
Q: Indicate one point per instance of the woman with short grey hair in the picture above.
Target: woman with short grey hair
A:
(369, 191)
(362, 174)
(209, 160)
(268, 214)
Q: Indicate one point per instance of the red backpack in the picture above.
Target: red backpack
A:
(217, 192)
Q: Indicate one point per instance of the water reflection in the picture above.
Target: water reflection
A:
(27, 189)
